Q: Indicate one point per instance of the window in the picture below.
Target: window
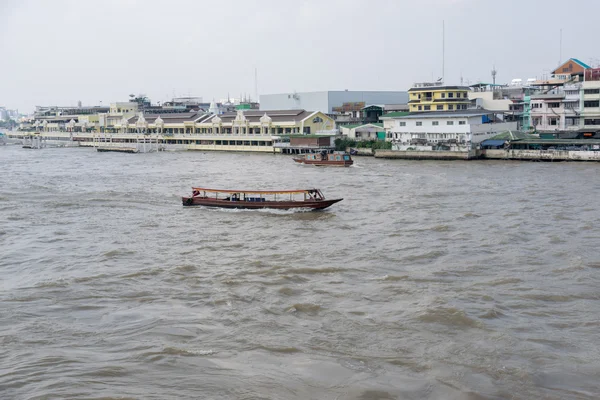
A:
(402, 123)
(450, 107)
(554, 121)
(591, 91)
(449, 122)
(443, 95)
(462, 122)
(439, 107)
(595, 103)
(592, 122)
(427, 108)
(450, 95)
(570, 105)
(553, 105)
(435, 123)
(465, 95)
(419, 123)
(420, 108)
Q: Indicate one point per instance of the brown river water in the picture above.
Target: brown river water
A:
(431, 280)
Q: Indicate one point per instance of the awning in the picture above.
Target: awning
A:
(493, 142)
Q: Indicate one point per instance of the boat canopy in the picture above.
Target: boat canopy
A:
(255, 191)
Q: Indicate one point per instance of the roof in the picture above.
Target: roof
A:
(558, 141)
(430, 88)
(275, 115)
(579, 62)
(373, 105)
(376, 124)
(395, 114)
(493, 142)
(446, 114)
(175, 118)
(512, 135)
(253, 191)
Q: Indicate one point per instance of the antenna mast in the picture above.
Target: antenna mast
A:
(443, 49)
(560, 48)
(494, 72)
(256, 84)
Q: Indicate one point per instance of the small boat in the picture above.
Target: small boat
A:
(256, 199)
(337, 159)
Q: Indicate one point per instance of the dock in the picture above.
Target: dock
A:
(118, 149)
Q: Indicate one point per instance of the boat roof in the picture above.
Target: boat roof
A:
(254, 191)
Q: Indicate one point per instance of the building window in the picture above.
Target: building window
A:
(419, 123)
(450, 107)
(449, 122)
(420, 108)
(450, 95)
(435, 123)
(592, 122)
(591, 91)
(439, 107)
(443, 95)
(553, 105)
(554, 121)
(402, 123)
(462, 122)
(595, 103)
(465, 95)
(427, 108)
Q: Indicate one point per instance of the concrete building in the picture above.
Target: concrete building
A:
(436, 97)
(447, 131)
(326, 101)
(591, 104)
(559, 110)
(369, 131)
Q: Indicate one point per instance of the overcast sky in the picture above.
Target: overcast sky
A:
(56, 52)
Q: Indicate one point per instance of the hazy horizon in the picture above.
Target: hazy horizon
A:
(65, 51)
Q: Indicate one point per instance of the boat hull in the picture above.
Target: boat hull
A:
(326, 163)
(278, 205)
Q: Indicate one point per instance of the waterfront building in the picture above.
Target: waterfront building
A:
(428, 97)
(488, 96)
(570, 70)
(591, 101)
(326, 101)
(557, 110)
(453, 131)
(370, 131)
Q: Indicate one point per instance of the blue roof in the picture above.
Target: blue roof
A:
(584, 65)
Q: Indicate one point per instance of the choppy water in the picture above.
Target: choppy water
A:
(431, 280)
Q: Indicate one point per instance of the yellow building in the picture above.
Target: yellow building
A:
(425, 97)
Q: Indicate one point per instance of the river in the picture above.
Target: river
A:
(430, 280)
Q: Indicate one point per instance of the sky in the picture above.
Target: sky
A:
(60, 52)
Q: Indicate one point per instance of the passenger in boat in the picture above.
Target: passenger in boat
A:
(234, 197)
(196, 193)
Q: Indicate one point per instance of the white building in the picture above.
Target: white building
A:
(456, 131)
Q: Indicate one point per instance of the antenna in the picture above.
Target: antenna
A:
(560, 48)
(494, 72)
(443, 49)
(256, 83)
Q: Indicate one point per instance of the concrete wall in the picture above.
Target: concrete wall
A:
(427, 155)
(310, 101)
(326, 100)
(544, 155)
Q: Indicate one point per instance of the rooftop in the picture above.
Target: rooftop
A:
(444, 114)
(430, 88)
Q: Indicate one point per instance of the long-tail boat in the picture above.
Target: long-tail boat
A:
(255, 199)
(323, 159)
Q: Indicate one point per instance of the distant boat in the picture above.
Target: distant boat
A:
(324, 159)
(256, 199)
